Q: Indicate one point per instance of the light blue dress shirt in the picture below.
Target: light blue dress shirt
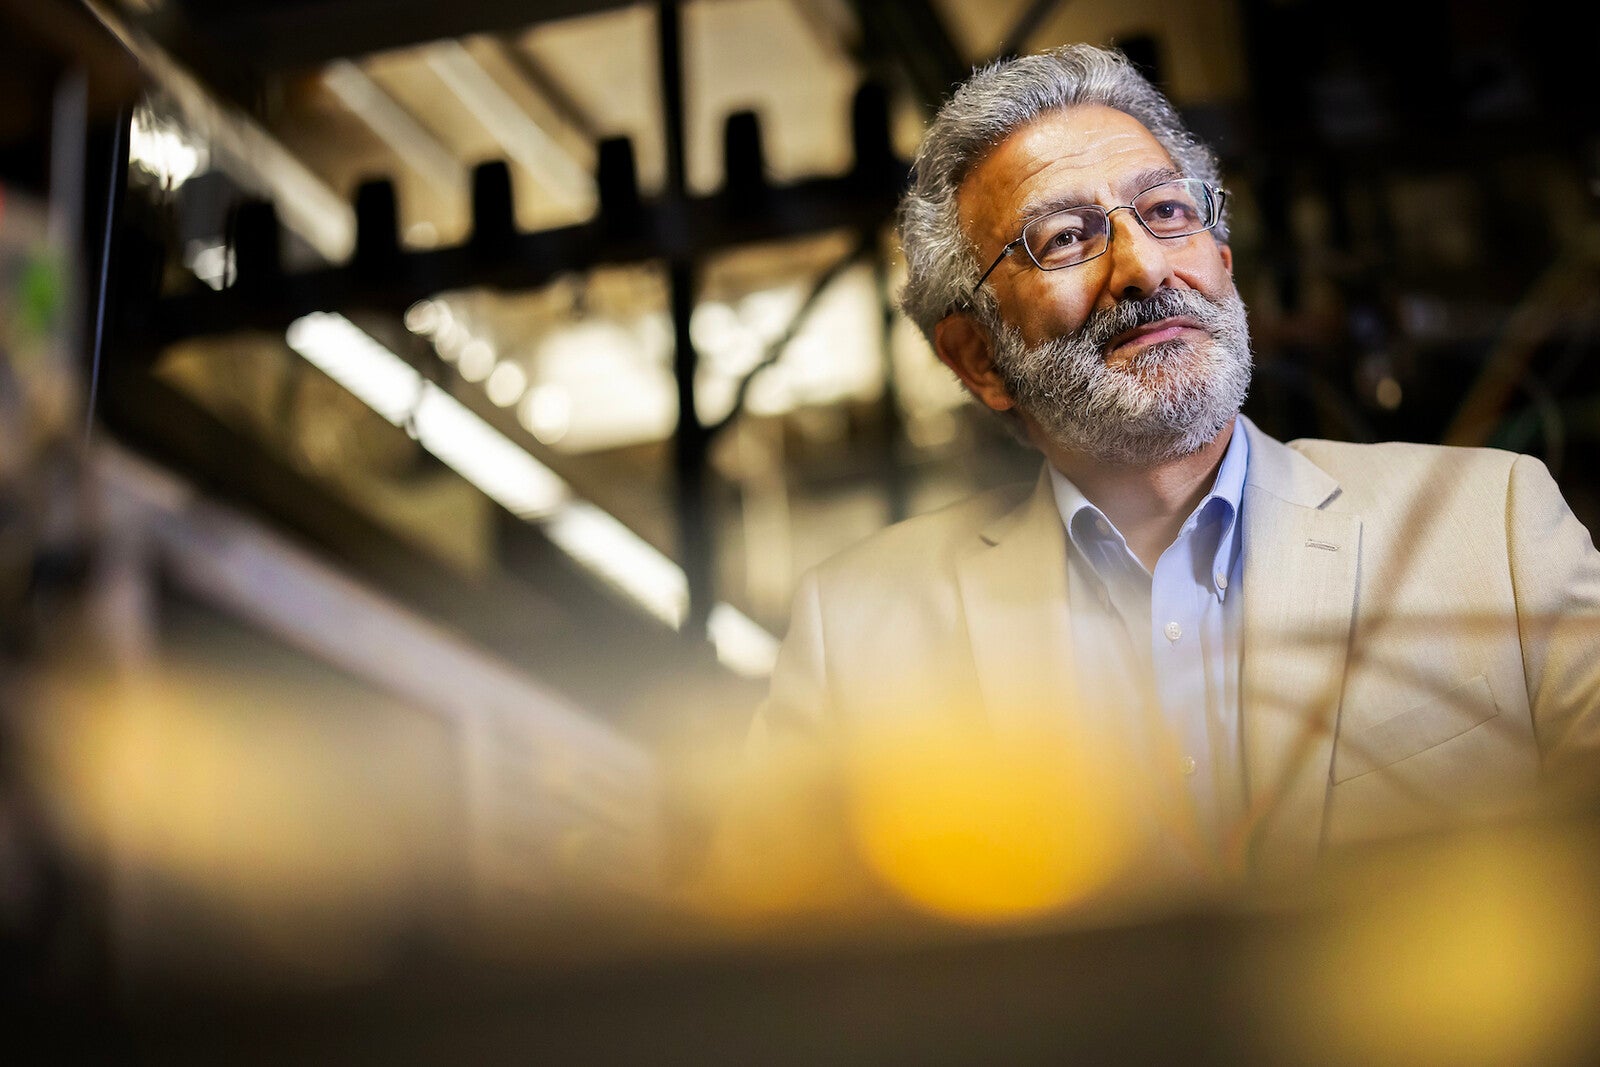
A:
(1165, 645)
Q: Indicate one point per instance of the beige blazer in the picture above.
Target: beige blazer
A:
(1419, 635)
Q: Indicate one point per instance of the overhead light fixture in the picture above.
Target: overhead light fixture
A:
(442, 424)
(546, 412)
(426, 316)
(517, 134)
(159, 147)
(240, 146)
(475, 360)
(620, 385)
(506, 384)
(211, 263)
(509, 475)
(392, 124)
(623, 558)
(742, 646)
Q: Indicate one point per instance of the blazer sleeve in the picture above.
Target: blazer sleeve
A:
(779, 843)
(1555, 574)
(797, 708)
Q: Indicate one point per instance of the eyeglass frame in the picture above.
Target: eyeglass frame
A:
(1221, 196)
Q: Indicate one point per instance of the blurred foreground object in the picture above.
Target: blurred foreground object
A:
(1483, 949)
(48, 944)
(1463, 949)
(928, 813)
(290, 778)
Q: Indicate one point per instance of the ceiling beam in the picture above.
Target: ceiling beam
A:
(241, 146)
(565, 179)
(911, 38)
(395, 125)
(540, 81)
(279, 36)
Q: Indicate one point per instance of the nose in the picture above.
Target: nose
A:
(1139, 263)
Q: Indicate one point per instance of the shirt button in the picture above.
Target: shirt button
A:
(1173, 631)
(1186, 765)
(1222, 580)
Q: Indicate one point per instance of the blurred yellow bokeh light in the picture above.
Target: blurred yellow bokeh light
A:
(968, 826)
(1486, 952)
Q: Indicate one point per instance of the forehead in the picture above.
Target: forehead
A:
(1087, 154)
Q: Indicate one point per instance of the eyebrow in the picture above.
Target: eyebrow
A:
(1130, 187)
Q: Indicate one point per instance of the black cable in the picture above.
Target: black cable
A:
(117, 179)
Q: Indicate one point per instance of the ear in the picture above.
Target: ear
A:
(963, 346)
(1227, 256)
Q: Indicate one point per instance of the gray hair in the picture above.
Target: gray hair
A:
(987, 108)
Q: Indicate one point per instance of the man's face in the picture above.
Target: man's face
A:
(1137, 355)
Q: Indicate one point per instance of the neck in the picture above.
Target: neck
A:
(1147, 502)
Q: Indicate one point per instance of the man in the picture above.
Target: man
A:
(1300, 645)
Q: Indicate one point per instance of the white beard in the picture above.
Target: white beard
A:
(1168, 401)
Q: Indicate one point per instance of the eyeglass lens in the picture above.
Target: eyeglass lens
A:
(1171, 209)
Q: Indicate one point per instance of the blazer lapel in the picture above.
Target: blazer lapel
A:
(1014, 591)
(1301, 564)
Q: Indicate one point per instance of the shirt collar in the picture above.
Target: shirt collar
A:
(1092, 532)
(1229, 489)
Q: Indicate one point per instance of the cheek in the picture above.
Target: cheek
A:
(1216, 289)
(1208, 271)
(1049, 305)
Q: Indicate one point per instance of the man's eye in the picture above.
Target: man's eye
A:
(1065, 237)
(1170, 213)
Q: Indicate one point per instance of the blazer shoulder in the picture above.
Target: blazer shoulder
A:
(924, 542)
(1401, 454)
(1368, 470)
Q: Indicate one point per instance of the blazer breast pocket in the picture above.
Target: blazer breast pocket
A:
(1414, 730)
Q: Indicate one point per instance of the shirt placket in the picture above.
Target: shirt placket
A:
(1178, 653)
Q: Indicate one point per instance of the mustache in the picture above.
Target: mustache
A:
(1106, 323)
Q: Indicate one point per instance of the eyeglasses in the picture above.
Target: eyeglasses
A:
(1179, 208)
